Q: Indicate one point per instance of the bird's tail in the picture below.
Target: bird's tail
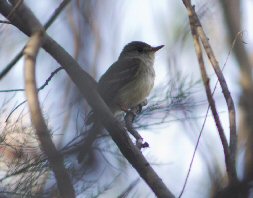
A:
(90, 118)
(90, 138)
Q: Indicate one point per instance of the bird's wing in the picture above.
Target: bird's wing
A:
(117, 76)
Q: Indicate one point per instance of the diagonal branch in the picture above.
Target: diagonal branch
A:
(86, 85)
(46, 26)
(54, 157)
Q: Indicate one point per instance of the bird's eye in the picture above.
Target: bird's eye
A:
(140, 50)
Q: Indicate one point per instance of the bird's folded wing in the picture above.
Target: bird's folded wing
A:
(117, 76)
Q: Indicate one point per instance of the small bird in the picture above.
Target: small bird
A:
(129, 80)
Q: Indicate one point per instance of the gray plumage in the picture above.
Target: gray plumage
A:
(130, 79)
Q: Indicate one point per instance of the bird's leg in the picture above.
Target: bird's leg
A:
(124, 108)
(129, 118)
(142, 104)
(135, 110)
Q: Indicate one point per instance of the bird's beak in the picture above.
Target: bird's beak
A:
(154, 49)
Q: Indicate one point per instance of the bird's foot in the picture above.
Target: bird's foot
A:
(142, 104)
(124, 108)
(140, 144)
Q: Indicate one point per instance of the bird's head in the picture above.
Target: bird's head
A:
(138, 49)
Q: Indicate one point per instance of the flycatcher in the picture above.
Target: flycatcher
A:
(129, 80)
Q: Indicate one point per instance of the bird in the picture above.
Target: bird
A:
(128, 81)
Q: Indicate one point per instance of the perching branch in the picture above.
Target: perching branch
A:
(129, 119)
(86, 85)
(198, 32)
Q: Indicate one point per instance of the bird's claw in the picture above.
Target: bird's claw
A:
(142, 104)
(140, 144)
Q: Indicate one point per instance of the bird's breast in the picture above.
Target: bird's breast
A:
(137, 90)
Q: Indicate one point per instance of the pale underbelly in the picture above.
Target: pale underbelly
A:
(135, 92)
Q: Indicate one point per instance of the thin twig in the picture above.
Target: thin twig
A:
(56, 13)
(19, 105)
(49, 78)
(39, 89)
(46, 26)
(126, 192)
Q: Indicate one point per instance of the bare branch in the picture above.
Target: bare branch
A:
(54, 157)
(198, 31)
(205, 118)
(225, 91)
(211, 102)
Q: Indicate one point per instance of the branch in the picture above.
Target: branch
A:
(46, 26)
(39, 89)
(211, 101)
(86, 85)
(54, 157)
(129, 119)
(198, 32)
(205, 118)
